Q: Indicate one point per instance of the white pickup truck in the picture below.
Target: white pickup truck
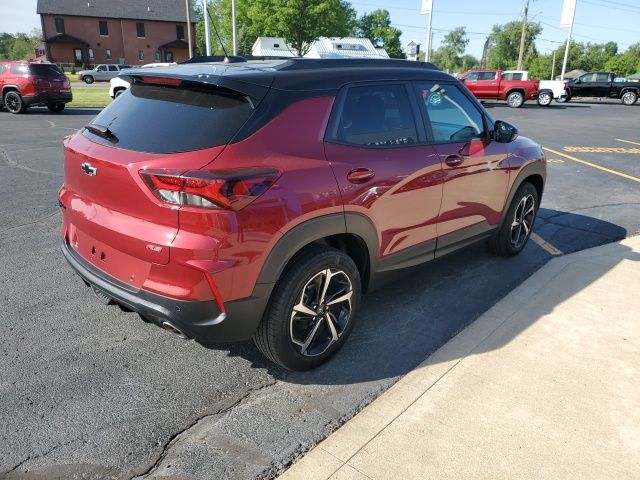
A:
(548, 89)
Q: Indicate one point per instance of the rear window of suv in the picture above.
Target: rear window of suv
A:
(43, 69)
(164, 119)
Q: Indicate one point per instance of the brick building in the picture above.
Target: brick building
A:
(132, 32)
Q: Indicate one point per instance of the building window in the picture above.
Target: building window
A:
(91, 56)
(140, 30)
(109, 54)
(180, 32)
(158, 57)
(59, 25)
(168, 57)
(104, 28)
(140, 54)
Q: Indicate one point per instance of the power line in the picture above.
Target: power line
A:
(621, 9)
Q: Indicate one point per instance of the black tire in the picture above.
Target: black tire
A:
(118, 93)
(629, 98)
(515, 99)
(502, 242)
(13, 103)
(56, 107)
(300, 288)
(88, 79)
(545, 98)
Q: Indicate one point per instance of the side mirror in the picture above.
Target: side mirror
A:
(504, 132)
(577, 80)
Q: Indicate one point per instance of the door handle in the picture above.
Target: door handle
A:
(454, 160)
(360, 175)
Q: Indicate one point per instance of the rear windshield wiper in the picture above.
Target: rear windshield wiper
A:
(102, 132)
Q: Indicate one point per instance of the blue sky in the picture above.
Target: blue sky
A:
(596, 20)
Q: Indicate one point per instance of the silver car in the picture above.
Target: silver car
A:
(101, 73)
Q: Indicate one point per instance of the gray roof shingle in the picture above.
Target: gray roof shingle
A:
(164, 10)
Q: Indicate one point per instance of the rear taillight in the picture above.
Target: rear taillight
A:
(226, 189)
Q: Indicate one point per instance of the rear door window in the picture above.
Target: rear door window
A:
(45, 70)
(452, 116)
(377, 116)
(164, 119)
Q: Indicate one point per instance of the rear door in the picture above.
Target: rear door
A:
(113, 72)
(385, 168)
(488, 85)
(475, 168)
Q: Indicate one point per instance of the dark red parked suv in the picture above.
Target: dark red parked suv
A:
(25, 84)
(262, 199)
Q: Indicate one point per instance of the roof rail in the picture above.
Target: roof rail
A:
(310, 63)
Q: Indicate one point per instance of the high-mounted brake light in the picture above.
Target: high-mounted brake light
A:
(221, 189)
(175, 82)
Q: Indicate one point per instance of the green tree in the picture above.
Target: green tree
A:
(625, 63)
(595, 55)
(301, 22)
(504, 43)
(450, 55)
(540, 67)
(376, 26)
(19, 46)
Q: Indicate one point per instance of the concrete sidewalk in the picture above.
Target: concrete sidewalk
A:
(545, 385)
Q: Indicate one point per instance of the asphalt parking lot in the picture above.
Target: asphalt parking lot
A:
(92, 391)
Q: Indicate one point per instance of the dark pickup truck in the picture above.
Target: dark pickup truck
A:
(603, 84)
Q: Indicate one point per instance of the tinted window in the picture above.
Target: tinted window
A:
(452, 115)
(140, 29)
(602, 77)
(484, 76)
(180, 32)
(45, 70)
(113, 68)
(377, 115)
(103, 27)
(471, 76)
(512, 76)
(159, 119)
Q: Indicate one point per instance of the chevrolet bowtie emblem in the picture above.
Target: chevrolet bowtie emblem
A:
(88, 169)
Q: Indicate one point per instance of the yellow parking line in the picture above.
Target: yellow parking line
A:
(627, 141)
(545, 245)
(604, 169)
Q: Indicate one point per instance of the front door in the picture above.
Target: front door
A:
(168, 57)
(78, 57)
(475, 168)
(487, 85)
(385, 169)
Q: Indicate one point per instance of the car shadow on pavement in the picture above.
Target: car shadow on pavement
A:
(69, 111)
(399, 325)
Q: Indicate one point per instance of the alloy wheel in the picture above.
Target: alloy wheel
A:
(629, 98)
(522, 223)
(544, 99)
(12, 102)
(515, 100)
(322, 313)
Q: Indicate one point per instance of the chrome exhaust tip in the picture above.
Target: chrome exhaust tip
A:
(171, 328)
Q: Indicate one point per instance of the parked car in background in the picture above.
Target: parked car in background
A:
(548, 90)
(603, 85)
(261, 200)
(490, 85)
(26, 84)
(118, 85)
(101, 73)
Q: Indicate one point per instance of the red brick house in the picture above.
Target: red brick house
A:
(132, 32)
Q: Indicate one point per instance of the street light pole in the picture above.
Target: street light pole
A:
(427, 55)
(188, 4)
(566, 49)
(207, 35)
(233, 22)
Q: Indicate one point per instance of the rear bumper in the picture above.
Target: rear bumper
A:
(200, 320)
(48, 98)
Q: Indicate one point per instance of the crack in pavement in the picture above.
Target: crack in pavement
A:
(37, 220)
(4, 155)
(226, 407)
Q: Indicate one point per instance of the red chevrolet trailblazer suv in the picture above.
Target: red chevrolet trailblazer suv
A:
(262, 199)
(25, 84)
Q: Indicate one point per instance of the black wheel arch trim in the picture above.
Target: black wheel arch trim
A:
(531, 169)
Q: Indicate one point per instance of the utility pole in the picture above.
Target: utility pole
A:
(188, 4)
(523, 35)
(233, 22)
(429, 38)
(568, 10)
(207, 35)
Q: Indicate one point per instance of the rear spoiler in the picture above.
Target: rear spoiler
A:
(254, 88)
